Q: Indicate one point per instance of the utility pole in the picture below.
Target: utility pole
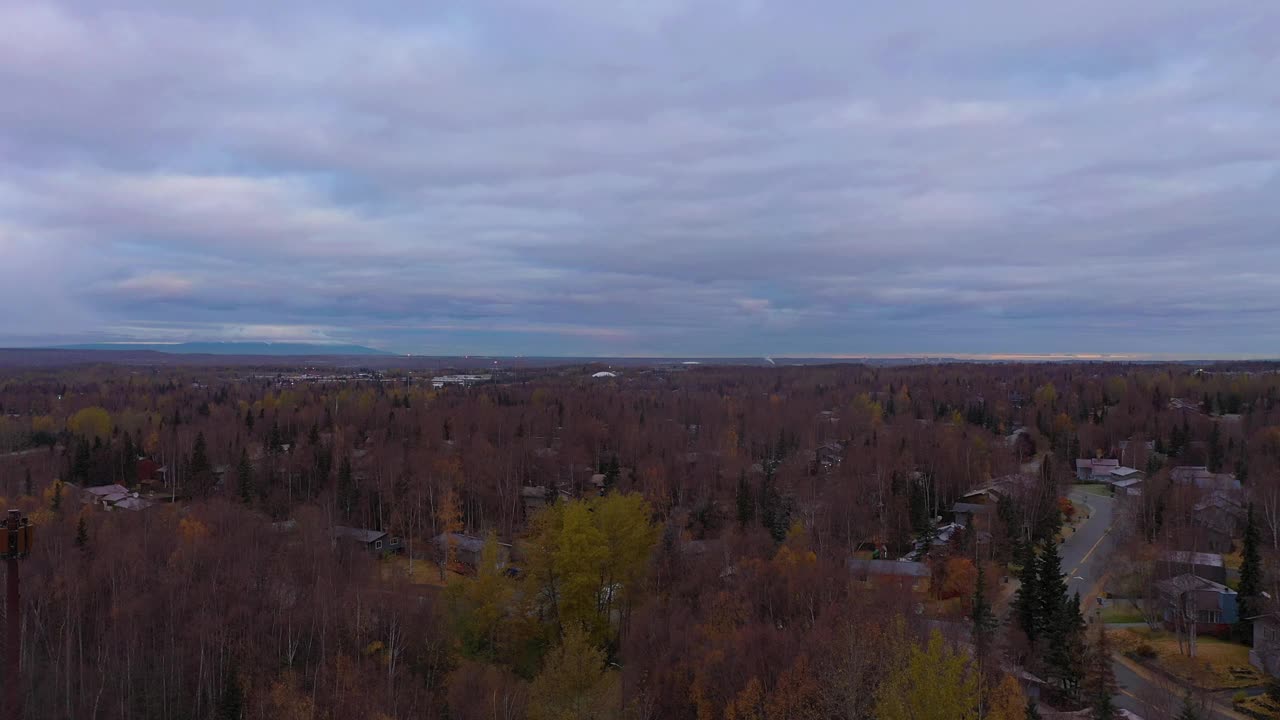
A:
(17, 538)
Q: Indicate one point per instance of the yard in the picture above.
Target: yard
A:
(1260, 706)
(1218, 665)
(424, 572)
(1122, 611)
(1096, 489)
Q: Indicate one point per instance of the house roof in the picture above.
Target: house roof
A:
(1189, 582)
(900, 568)
(470, 543)
(359, 534)
(1194, 558)
(1129, 483)
(1096, 463)
(134, 503)
(963, 507)
(1200, 476)
(106, 490)
(1124, 471)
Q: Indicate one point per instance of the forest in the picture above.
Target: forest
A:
(662, 542)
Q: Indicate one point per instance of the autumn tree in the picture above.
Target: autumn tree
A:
(574, 683)
(935, 683)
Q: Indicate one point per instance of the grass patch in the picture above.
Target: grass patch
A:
(1260, 706)
(425, 572)
(1122, 611)
(1218, 665)
(1096, 489)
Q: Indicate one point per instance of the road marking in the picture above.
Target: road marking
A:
(1085, 559)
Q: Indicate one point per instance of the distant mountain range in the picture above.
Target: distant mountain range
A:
(234, 348)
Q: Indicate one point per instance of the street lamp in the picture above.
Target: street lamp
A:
(15, 544)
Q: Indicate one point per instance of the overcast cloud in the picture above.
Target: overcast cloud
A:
(644, 177)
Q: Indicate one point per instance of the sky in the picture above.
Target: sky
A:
(644, 177)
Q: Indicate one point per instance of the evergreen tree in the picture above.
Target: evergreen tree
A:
(1051, 592)
(983, 617)
(1099, 684)
(200, 456)
(1188, 710)
(746, 502)
(248, 420)
(1032, 712)
(55, 504)
(348, 494)
(1026, 602)
(1250, 580)
(231, 702)
(26, 483)
(244, 476)
(1215, 449)
(82, 534)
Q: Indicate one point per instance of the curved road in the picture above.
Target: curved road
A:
(1084, 559)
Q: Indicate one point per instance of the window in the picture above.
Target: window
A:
(377, 545)
(1210, 616)
(1271, 633)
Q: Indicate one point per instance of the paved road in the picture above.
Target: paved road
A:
(1084, 559)
(1085, 554)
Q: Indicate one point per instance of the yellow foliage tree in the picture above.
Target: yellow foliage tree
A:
(935, 683)
(91, 422)
(1006, 701)
(574, 683)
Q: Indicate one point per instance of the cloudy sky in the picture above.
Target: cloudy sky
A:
(644, 177)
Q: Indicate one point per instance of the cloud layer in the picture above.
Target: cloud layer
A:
(711, 177)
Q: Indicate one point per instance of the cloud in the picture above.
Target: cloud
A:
(721, 177)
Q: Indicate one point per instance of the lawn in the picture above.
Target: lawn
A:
(1218, 665)
(1096, 489)
(425, 572)
(1260, 706)
(1122, 611)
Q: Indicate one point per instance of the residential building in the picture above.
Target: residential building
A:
(1209, 566)
(374, 541)
(902, 575)
(1095, 469)
(467, 549)
(1265, 654)
(1189, 599)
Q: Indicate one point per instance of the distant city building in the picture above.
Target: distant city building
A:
(442, 380)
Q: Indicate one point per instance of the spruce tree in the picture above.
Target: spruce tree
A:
(984, 619)
(26, 483)
(1099, 684)
(82, 534)
(1026, 602)
(347, 491)
(244, 475)
(1032, 712)
(746, 502)
(1188, 710)
(55, 504)
(231, 702)
(1051, 592)
(1250, 581)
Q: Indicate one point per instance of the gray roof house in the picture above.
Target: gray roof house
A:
(375, 541)
(1265, 654)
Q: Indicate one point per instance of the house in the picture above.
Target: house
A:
(973, 514)
(1218, 519)
(1180, 562)
(467, 549)
(1199, 476)
(1095, 469)
(374, 541)
(1265, 654)
(1128, 488)
(1123, 473)
(902, 575)
(1191, 599)
(464, 380)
